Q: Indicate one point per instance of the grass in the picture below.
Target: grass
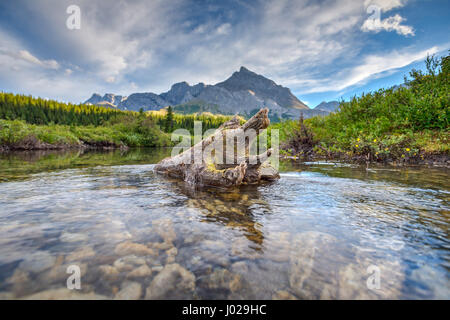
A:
(403, 123)
(17, 134)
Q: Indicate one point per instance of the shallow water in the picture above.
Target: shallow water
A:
(323, 231)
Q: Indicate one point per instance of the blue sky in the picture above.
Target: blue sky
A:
(321, 50)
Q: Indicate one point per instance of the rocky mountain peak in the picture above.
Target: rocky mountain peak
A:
(245, 80)
(244, 92)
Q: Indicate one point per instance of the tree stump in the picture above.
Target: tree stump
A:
(223, 158)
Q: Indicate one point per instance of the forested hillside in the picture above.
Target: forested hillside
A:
(35, 123)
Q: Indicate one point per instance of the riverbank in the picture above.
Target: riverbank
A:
(20, 135)
(403, 125)
(436, 160)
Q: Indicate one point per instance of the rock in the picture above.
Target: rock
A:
(164, 227)
(240, 248)
(81, 254)
(283, 295)
(171, 254)
(173, 282)
(64, 294)
(222, 279)
(19, 276)
(142, 271)
(157, 268)
(37, 262)
(72, 237)
(219, 279)
(129, 291)
(131, 248)
(236, 283)
(20, 282)
(128, 263)
(58, 273)
(279, 247)
(160, 245)
(353, 278)
(109, 271)
(216, 257)
(311, 274)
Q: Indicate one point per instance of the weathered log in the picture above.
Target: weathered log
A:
(223, 158)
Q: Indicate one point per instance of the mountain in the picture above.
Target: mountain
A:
(245, 92)
(246, 80)
(331, 106)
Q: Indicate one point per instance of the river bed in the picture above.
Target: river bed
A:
(323, 231)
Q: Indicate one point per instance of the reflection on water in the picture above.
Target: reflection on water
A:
(322, 231)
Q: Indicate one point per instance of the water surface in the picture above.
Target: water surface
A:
(323, 231)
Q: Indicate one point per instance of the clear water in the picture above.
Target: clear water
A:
(323, 231)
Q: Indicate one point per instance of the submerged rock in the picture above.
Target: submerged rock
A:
(173, 282)
(142, 271)
(130, 248)
(279, 246)
(129, 291)
(283, 295)
(109, 271)
(81, 254)
(164, 228)
(64, 294)
(128, 263)
(354, 278)
(59, 273)
(311, 274)
(171, 254)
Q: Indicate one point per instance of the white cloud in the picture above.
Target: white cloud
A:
(18, 56)
(129, 46)
(386, 5)
(389, 24)
(27, 56)
(372, 67)
(376, 23)
(224, 29)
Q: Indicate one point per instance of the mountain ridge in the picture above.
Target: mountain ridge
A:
(242, 93)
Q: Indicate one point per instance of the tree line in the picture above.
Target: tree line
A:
(46, 112)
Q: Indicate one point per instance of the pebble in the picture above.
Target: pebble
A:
(142, 271)
(64, 294)
(129, 291)
(173, 282)
(131, 248)
(283, 295)
(109, 271)
(81, 254)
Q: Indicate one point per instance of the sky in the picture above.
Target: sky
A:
(322, 50)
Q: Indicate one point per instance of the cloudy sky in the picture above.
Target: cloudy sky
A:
(322, 50)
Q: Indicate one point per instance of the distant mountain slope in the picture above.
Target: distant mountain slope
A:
(243, 93)
(330, 106)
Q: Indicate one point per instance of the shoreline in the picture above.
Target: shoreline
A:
(437, 160)
(40, 146)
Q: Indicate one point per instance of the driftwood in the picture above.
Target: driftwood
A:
(223, 159)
